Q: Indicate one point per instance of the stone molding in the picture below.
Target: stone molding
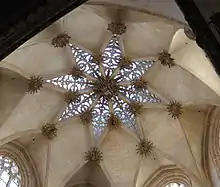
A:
(210, 142)
(166, 175)
(15, 151)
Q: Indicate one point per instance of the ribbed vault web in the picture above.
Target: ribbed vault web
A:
(105, 85)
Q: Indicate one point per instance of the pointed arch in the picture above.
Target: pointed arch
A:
(211, 145)
(166, 175)
(16, 152)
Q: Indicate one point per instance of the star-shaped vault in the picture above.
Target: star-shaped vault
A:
(107, 87)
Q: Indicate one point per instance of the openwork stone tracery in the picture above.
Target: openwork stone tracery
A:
(100, 86)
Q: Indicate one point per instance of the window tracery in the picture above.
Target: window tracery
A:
(175, 185)
(168, 176)
(9, 173)
(106, 86)
(16, 167)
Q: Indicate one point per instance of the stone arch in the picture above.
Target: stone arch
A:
(13, 88)
(19, 155)
(90, 174)
(84, 185)
(211, 144)
(166, 175)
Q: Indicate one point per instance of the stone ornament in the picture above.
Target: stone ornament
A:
(35, 83)
(113, 122)
(97, 58)
(117, 28)
(86, 117)
(49, 130)
(166, 59)
(175, 109)
(105, 82)
(106, 87)
(71, 96)
(94, 155)
(62, 40)
(144, 148)
(125, 62)
(76, 72)
(140, 84)
(135, 108)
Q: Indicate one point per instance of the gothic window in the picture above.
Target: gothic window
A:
(9, 173)
(175, 185)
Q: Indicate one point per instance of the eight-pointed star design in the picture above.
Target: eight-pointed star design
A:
(106, 86)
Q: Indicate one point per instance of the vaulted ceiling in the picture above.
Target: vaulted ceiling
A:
(177, 142)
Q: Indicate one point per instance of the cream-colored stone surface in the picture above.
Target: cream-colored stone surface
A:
(93, 29)
(67, 152)
(41, 59)
(148, 166)
(193, 58)
(12, 89)
(38, 57)
(91, 173)
(192, 81)
(169, 137)
(166, 8)
(120, 158)
(139, 44)
(32, 112)
(38, 148)
(178, 84)
(192, 122)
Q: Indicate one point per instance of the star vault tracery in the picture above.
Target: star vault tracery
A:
(106, 86)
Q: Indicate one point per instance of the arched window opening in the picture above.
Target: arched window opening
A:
(9, 173)
(16, 167)
(175, 185)
(168, 176)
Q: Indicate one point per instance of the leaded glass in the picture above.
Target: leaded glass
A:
(9, 173)
(105, 86)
